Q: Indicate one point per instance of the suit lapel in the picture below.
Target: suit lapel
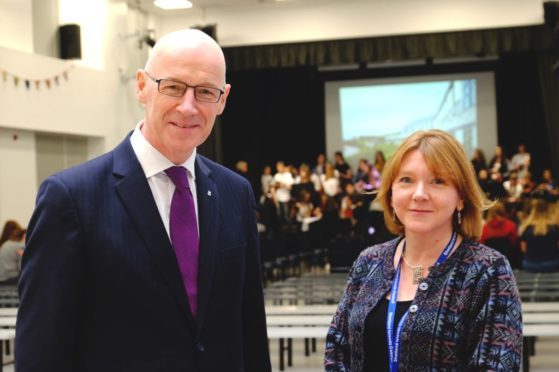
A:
(208, 219)
(135, 193)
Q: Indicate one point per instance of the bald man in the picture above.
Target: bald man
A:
(146, 258)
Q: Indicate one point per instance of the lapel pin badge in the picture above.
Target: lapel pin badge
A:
(209, 193)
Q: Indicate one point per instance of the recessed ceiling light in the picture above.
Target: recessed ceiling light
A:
(172, 4)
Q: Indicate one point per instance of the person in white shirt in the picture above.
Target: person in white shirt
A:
(520, 162)
(513, 187)
(330, 181)
(283, 180)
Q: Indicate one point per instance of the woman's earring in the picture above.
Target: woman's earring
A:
(459, 217)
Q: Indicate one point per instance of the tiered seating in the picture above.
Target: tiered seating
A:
(540, 287)
(9, 303)
(8, 296)
(311, 289)
(303, 307)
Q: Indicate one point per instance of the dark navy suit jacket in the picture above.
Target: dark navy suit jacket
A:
(101, 289)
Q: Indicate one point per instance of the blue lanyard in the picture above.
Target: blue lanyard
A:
(394, 338)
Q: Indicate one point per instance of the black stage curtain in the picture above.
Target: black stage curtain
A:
(549, 81)
(395, 48)
(271, 115)
(520, 109)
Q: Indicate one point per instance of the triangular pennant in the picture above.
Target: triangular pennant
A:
(48, 82)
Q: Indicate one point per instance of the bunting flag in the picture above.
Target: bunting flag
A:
(34, 82)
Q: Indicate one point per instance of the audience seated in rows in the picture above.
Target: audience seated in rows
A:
(326, 204)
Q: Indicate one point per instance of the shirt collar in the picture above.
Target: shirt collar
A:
(151, 160)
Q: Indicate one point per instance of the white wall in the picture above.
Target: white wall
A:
(270, 23)
(72, 106)
(16, 31)
(18, 184)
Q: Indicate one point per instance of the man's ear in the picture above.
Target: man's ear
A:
(141, 85)
(223, 98)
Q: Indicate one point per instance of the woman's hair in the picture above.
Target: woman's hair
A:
(305, 172)
(329, 171)
(479, 155)
(18, 235)
(539, 218)
(446, 158)
(497, 209)
(11, 230)
(380, 161)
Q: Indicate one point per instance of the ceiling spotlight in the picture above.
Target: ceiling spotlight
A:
(172, 4)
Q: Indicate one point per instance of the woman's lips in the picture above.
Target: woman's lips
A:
(420, 211)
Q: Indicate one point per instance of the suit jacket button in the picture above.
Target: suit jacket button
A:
(413, 308)
(200, 347)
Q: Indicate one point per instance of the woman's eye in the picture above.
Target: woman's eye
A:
(405, 179)
(438, 181)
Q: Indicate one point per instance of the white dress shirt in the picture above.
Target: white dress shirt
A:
(283, 181)
(162, 187)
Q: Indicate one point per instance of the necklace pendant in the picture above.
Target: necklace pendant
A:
(417, 274)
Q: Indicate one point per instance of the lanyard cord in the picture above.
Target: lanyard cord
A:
(393, 338)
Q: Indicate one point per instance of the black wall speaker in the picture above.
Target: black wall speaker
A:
(70, 41)
(551, 13)
(551, 17)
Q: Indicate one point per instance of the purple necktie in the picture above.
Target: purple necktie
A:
(184, 234)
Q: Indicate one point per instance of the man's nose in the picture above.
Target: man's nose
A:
(187, 101)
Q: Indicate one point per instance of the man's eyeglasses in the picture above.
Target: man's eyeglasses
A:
(178, 89)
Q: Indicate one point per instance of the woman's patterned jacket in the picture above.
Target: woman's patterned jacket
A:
(465, 316)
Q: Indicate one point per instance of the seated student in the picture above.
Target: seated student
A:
(10, 257)
(539, 239)
(513, 187)
(548, 188)
(492, 186)
(501, 233)
(10, 227)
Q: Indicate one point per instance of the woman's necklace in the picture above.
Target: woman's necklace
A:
(417, 270)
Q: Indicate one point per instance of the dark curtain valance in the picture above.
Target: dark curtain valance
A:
(395, 48)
